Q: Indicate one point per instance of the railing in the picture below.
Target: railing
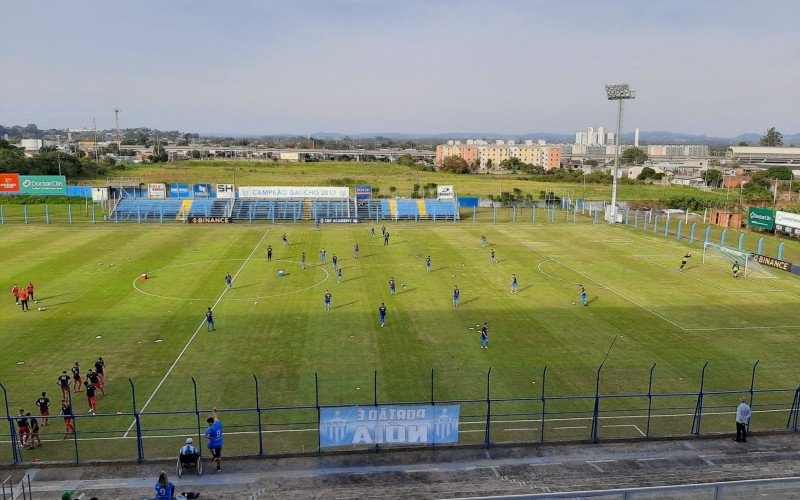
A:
(255, 428)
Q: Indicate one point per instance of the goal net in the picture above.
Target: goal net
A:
(723, 258)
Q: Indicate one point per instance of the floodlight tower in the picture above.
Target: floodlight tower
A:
(617, 92)
(116, 118)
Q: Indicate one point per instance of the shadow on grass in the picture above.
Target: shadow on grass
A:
(345, 304)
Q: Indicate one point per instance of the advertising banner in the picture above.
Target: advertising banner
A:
(389, 424)
(202, 191)
(9, 183)
(294, 192)
(43, 184)
(100, 194)
(777, 264)
(179, 191)
(157, 191)
(338, 220)
(445, 192)
(210, 220)
(761, 218)
(363, 192)
(225, 191)
(787, 223)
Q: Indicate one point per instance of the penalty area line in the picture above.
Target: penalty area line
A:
(191, 339)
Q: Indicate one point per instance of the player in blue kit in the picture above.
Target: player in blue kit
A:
(214, 435)
(285, 240)
(391, 286)
(327, 300)
(210, 320)
(456, 296)
(339, 275)
(491, 256)
(303, 261)
(334, 261)
(483, 241)
(583, 296)
(428, 263)
(484, 337)
(382, 314)
(514, 283)
(228, 280)
(355, 252)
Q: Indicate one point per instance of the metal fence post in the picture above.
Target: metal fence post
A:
(741, 242)
(316, 404)
(197, 415)
(69, 213)
(792, 422)
(74, 418)
(666, 226)
(258, 412)
(596, 413)
(627, 216)
(433, 399)
(645, 221)
(533, 214)
(47, 214)
(649, 400)
(691, 232)
(25, 212)
(137, 419)
(474, 214)
(760, 250)
(698, 410)
(375, 397)
(2, 217)
(708, 235)
(723, 237)
(655, 225)
(494, 213)
(752, 388)
(544, 402)
(514, 214)
(487, 440)
(780, 251)
(679, 232)
(15, 453)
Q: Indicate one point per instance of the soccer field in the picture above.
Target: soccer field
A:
(276, 328)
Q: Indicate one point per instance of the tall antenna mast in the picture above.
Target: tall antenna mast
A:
(116, 117)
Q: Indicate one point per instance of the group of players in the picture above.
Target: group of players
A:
(735, 269)
(23, 295)
(28, 425)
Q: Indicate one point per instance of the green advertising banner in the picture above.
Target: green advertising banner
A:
(761, 218)
(43, 185)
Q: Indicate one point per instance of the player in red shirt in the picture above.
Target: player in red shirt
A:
(66, 412)
(24, 429)
(91, 397)
(94, 379)
(15, 293)
(76, 378)
(29, 289)
(23, 299)
(63, 383)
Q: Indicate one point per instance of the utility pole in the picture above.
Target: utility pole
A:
(116, 118)
(94, 124)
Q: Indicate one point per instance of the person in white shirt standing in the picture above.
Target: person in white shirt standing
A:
(743, 414)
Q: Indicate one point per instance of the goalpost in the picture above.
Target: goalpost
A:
(723, 258)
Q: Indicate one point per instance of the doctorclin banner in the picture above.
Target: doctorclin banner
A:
(761, 218)
(388, 424)
(43, 184)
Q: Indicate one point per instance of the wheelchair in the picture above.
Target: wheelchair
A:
(188, 462)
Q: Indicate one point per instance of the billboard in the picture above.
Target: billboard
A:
(9, 183)
(445, 192)
(388, 424)
(363, 192)
(787, 223)
(293, 192)
(179, 191)
(100, 194)
(761, 218)
(157, 191)
(43, 184)
(225, 191)
(202, 191)
(210, 220)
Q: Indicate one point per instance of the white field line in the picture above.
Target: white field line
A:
(191, 339)
(626, 425)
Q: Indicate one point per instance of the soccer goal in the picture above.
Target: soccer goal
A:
(723, 258)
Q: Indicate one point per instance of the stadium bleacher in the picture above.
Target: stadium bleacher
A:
(133, 209)
(267, 210)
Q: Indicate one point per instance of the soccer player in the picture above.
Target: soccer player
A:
(63, 382)
(513, 283)
(23, 299)
(29, 289)
(686, 257)
(391, 286)
(94, 379)
(484, 336)
(382, 314)
(214, 436)
(483, 241)
(339, 275)
(324, 256)
(24, 430)
(334, 261)
(66, 412)
(386, 238)
(428, 263)
(76, 377)
(372, 233)
(34, 425)
(15, 293)
(100, 368)
(327, 303)
(583, 295)
(228, 280)
(44, 407)
(303, 261)
(456, 296)
(91, 396)
(285, 240)
(355, 252)
(383, 230)
(269, 253)
(321, 259)
(491, 256)
(210, 320)
(735, 270)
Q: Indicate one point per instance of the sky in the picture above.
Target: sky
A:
(719, 68)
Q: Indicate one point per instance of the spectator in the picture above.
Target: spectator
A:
(743, 414)
(164, 489)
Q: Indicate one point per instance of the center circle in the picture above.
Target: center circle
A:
(138, 285)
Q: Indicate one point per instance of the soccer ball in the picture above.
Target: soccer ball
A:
(454, 276)
(256, 302)
(573, 302)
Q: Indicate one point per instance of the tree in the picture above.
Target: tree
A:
(591, 163)
(489, 163)
(392, 190)
(646, 173)
(780, 173)
(159, 154)
(406, 160)
(712, 176)
(633, 156)
(772, 138)
(742, 143)
(455, 165)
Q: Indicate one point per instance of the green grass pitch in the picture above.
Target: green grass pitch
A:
(276, 328)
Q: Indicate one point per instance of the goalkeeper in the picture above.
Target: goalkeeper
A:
(735, 270)
(685, 259)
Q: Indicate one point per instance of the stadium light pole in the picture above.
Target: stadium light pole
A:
(617, 92)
